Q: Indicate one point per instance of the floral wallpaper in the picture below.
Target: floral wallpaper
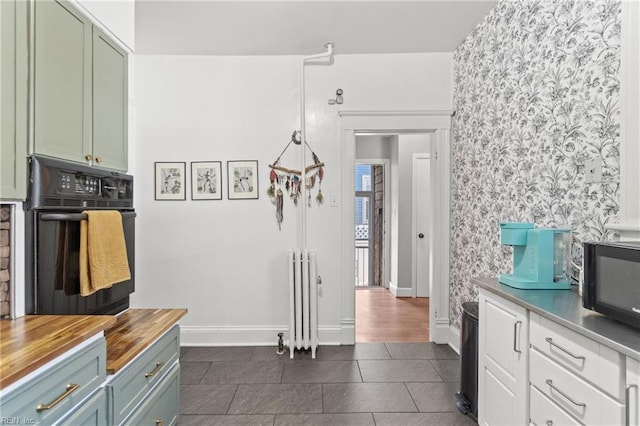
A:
(535, 95)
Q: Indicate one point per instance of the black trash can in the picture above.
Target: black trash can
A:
(468, 396)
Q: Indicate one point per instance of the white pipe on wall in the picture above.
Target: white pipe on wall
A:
(303, 134)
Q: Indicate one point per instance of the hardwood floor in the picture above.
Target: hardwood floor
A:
(380, 317)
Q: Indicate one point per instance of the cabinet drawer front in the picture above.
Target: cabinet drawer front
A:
(577, 397)
(544, 412)
(590, 360)
(130, 385)
(56, 387)
(92, 413)
(162, 406)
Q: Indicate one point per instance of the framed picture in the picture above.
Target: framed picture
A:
(242, 180)
(170, 181)
(206, 180)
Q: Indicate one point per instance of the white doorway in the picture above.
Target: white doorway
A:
(437, 123)
(420, 225)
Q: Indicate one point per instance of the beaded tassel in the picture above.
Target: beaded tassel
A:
(279, 206)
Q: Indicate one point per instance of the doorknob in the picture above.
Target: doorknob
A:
(421, 235)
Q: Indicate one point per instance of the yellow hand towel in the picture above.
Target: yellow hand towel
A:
(103, 251)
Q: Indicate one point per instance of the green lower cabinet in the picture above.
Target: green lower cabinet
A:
(162, 406)
(59, 391)
(91, 413)
(131, 386)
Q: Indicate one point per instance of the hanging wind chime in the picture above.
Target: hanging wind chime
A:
(288, 180)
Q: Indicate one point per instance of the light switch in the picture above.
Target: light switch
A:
(593, 170)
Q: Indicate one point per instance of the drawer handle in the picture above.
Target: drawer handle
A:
(550, 341)
(551, 385)
(159, 422)
(549, 423)
(71, 388)
(627, 403)
(516, 347)
(159, 366)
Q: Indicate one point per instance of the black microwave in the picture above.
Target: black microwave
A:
(612, 280)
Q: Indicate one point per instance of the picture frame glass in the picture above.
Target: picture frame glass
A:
(206, 180)
(242, 180)
(170, 180)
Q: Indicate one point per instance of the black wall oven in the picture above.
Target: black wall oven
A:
(58, 194)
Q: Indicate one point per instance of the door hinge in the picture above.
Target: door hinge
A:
(436, 154)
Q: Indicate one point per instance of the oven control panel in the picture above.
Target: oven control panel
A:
(78, 183)
(57, 183)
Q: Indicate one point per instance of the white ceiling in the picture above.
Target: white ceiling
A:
(302, 27)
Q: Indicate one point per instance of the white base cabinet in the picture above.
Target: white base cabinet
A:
(632, 392)
(533, 370)
(503, 385)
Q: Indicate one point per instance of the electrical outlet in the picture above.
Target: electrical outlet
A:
(593, 170)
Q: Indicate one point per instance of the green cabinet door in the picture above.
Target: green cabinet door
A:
(13, 100)
(109, 103)
(62, 85)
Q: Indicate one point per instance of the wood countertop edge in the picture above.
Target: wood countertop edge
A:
(22, 355)
(134, 331)
(20, 369)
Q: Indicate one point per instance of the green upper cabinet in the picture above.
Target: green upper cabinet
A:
(13, 100)
(80, 89)
(109, 103)
(62, 81)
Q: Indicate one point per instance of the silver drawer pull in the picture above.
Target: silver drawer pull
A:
(550, 383)
(627, 402)
(159, 366)
(71, 388)
(549, 423)
(516, 344)
(550, 341)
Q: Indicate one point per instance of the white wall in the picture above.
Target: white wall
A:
(225, 260)
(373, 146)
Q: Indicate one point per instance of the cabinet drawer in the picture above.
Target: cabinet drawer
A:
(544, 412)
(92, 413)
(577, 397)
(590, 360)
(162, 407)
(129, 386)
(62, 386)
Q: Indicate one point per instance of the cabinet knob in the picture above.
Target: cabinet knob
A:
(88, 157)
(98, 159)
(159, 422)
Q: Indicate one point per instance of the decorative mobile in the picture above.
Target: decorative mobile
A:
(288, 180)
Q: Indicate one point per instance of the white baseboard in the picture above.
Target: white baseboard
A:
(400, 291)
(454, 338)
(248, 335)
(348, 331)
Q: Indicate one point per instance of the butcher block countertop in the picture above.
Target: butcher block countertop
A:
(134, 331)
(29, 342)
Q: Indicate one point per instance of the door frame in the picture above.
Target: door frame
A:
(437, 122)
(414, 219)
(386, 163)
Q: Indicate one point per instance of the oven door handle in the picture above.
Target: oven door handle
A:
(74, 217)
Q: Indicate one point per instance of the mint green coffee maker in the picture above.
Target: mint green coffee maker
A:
(541, 257)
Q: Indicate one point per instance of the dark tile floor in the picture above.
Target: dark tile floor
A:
(366, 384)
